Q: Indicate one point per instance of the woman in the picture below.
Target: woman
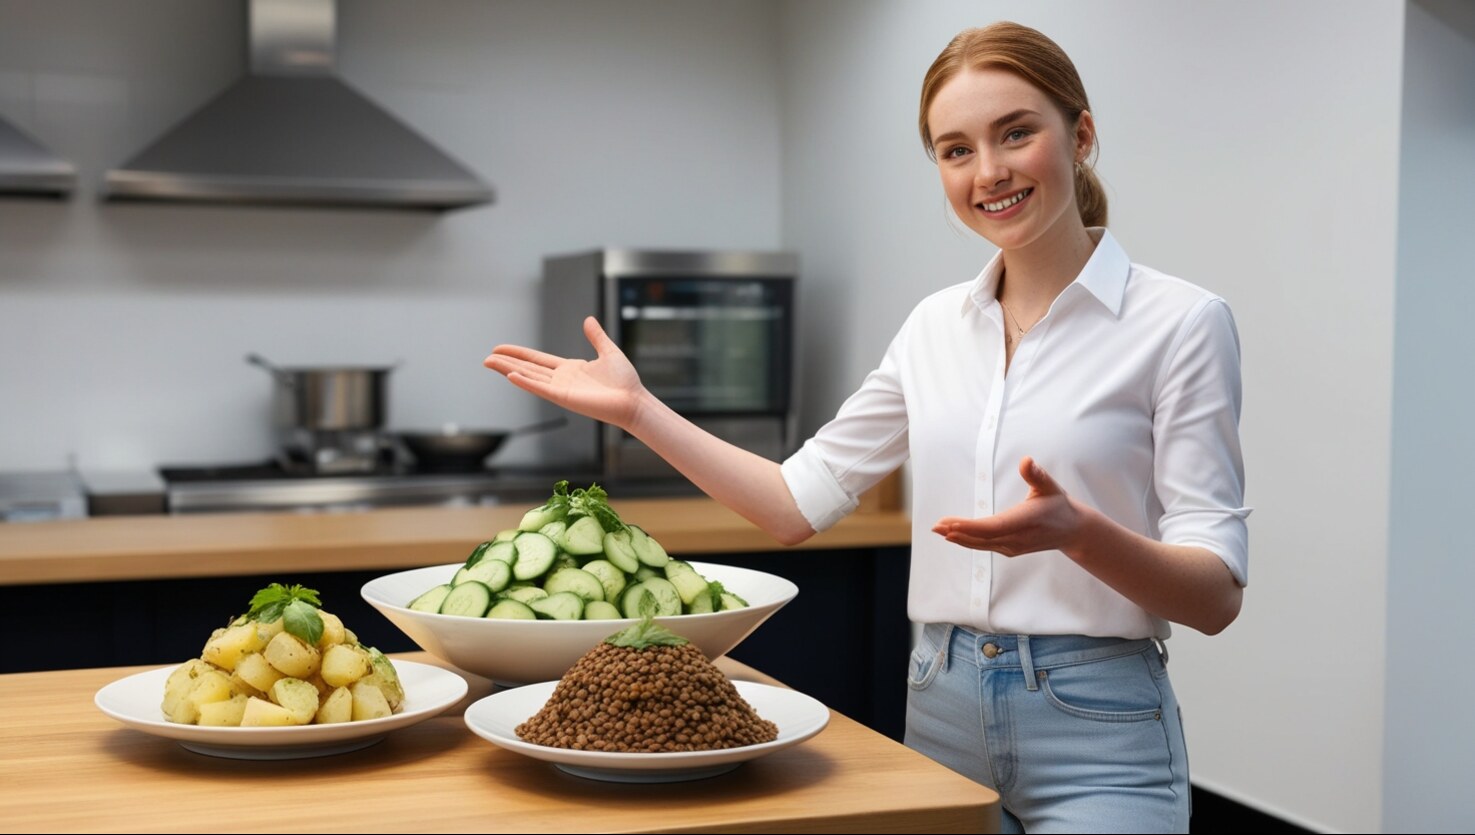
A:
(1045, 593)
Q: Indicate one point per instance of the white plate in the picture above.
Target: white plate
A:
(496, 717)
(135, 701)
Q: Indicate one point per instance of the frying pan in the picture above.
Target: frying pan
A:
(454, 449)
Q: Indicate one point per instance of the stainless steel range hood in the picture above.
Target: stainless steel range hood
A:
(27, 168)
(291, 132)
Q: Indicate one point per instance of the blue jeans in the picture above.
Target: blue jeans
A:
(1076, 734)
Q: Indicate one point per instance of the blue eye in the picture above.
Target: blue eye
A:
(954, 152)
(1016, 135)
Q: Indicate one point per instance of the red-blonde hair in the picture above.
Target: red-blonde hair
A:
(1035, 58)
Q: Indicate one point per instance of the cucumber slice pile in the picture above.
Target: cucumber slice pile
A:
(574, 559)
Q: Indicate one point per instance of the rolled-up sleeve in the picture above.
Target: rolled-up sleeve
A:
(865, 441)
(1198, 466)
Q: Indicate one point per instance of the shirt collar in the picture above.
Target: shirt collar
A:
(1104, 275)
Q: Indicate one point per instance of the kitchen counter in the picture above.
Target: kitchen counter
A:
(66, 766)
(222, 545)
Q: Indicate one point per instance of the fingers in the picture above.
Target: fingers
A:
(597, 337)
(525, 354)
(541, 387)
(1036, 477)
(508, 366)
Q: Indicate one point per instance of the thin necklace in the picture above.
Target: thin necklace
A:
(1021, 331)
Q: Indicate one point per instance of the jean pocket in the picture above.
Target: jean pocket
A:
(923, 666)
(1121, 689)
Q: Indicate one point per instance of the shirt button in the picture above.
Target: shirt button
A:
(983, 505)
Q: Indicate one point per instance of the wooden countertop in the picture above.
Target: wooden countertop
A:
(65, 766)
(213, 545)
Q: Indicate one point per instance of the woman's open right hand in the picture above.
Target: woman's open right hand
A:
(606, 389)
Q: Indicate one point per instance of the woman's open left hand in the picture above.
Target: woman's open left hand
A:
(1046, 520)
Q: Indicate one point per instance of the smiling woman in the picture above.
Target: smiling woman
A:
(1071, 420)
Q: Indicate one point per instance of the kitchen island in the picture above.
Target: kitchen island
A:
(65, 766)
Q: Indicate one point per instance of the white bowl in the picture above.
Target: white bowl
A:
(523, 651)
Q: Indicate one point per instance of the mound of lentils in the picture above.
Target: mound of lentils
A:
(646, 693)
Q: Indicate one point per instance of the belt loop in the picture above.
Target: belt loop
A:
(1162, 648)
(945, 646)
(1027, 663)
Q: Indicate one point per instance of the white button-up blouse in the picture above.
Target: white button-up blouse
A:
(1127, 392)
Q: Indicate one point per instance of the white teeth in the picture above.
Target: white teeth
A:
(1004, 204)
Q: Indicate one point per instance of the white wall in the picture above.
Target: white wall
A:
(123, 326)
(1430, 737)
(1249, 147)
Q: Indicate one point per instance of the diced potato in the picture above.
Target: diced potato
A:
(349, 637)
(256, 671)
(386, 678)
(316, 680)
(298, 697)
(229, 647)
(243, 688)
(333, 631)
(368, 702)
(177, 706)
(338, 707)
(267, 631)
(291, 656)
(343, 665)
(213, 686)
(224, 714)
(260, 713)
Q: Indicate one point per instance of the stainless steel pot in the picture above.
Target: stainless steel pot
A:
(328, 399)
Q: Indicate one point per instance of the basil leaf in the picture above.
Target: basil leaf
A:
(302, 620)
(270, 613)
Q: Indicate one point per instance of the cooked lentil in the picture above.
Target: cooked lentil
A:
(659, 699)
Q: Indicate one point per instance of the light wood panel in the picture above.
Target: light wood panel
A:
(214, 545)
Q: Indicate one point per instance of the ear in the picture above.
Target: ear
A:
(1085, 135)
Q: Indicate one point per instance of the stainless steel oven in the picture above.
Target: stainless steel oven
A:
(711, 333)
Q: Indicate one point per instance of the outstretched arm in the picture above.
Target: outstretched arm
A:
(608, 389)
(1180, 583)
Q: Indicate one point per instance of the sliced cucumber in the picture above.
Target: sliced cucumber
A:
(662, 596)
(477, 553)
(538, 517)
(647, 550)
(689, 584)
(503, 551)
(617, 550)
(576, 580)
(732, 601)
(431, 600)
(703, 604)
(645, 572)
(600, 610)
(610, 576)
(524, 594)
(505, 536)
(555, 531)
(511, 610)
(584, 536)
(535, 553)
(494, 573)
(469, 600)
(562, 606)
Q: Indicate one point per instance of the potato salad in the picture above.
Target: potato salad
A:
(285, 662)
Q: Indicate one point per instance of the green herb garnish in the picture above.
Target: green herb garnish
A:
(295, 606)
(646, 633)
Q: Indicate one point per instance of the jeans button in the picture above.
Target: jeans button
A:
(990, 650)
